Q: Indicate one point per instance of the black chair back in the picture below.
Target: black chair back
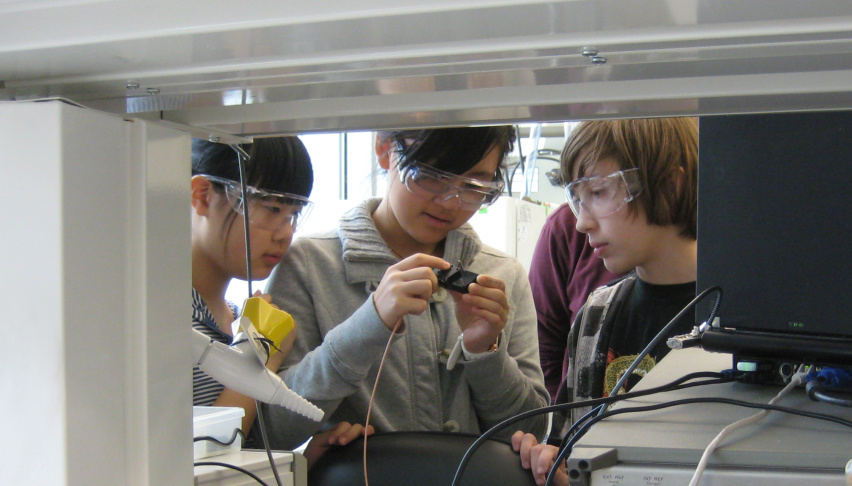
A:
(419, 458)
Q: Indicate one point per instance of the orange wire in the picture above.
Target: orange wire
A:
(373, 396)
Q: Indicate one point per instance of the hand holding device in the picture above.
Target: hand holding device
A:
(271, 323)
(241, 366)
(406, 288)
(482, 313)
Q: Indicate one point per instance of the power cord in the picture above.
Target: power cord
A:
(795, 381)
(629, 372)
(665, 332)
(230, 466)
(674, 385)
(511, 174)
(579, 429)
(687, 401)
(242, 156)
(679, 384)
(373, 396)
(820, 382)
(817, 392)
(603, 402)
(237, 433)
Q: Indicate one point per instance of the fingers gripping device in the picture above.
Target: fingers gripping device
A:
(456, 278)
(242, 365)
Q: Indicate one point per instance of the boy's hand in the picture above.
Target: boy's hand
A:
(406, 288)
(482, 312)
(538, 458)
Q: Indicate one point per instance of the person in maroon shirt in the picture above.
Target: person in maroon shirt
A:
(563, 273)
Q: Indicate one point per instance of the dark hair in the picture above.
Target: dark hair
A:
(454, 150)
(658, 147)
(279, 164)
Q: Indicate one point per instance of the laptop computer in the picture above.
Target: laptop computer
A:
(775, 233)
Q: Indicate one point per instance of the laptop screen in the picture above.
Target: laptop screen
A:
(775, 222)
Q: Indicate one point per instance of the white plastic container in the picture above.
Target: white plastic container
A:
(219, 423)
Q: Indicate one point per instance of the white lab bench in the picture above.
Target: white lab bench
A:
(292, 469)
(662, 447)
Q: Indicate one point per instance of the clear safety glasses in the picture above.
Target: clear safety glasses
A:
(602, 196)
(267, 210)
(430, 182)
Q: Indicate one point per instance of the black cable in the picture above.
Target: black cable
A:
(569, 440)
(674, 385)
(665, 332)
(817, 393)
(267, 343)
(237, 432)
(687, 401)
(647, 350)
(601, 409)
(230, 466)
(541, 153)
(511, 175)
(262, 425)
(241, 156)
(678, 384)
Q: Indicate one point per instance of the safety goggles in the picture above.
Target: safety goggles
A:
(267, 210)
(472, 194)
(602, 196)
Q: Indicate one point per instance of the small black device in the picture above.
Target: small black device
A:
(456, 279)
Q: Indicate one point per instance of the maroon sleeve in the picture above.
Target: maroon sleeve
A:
(563, 272)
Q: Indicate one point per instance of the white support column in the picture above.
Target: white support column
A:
(95, 377)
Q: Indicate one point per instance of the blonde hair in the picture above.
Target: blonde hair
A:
(660, 148)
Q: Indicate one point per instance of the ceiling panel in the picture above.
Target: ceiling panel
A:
(333, 65)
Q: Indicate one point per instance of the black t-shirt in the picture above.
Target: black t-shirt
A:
(645, 311)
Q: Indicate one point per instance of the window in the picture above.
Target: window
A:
(346, 172)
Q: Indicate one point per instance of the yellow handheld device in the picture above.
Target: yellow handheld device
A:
(274, 324)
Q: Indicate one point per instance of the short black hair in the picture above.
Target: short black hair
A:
(455, 150)
(275, 164)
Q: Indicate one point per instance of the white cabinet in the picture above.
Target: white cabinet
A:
(511, 225)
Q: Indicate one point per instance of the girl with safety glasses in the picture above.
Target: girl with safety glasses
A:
(279, 178)
(458, 362)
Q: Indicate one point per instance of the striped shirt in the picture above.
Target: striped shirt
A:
(205, 390)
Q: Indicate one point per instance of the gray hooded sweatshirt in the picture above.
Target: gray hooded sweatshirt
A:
(326, 283)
